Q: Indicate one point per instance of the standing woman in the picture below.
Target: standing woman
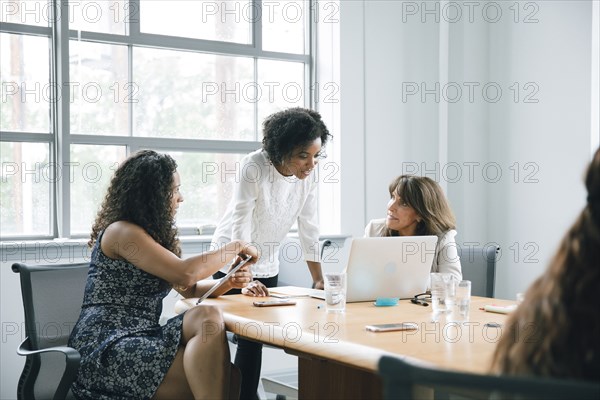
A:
(418, 207)
(275, 189)
(125, 353)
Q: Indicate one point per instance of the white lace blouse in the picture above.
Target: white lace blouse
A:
(264, 206)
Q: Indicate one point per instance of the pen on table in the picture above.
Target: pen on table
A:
(492, 305)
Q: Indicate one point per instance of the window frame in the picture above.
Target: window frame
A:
(59, 137)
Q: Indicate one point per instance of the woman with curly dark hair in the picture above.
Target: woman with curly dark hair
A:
(135, 263)
(276, 188)
(554, 331)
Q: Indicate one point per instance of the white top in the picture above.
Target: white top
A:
(446, 253)
(264, 206)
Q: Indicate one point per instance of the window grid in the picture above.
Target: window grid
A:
(60, 138)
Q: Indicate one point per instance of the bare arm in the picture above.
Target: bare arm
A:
(308, 232)
(127, 241)
(316, 273)
(239, 280)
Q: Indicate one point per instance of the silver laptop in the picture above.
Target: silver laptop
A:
(396, 266)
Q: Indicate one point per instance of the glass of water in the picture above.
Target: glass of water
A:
(442, 292)
(462, 302)
(335, 292)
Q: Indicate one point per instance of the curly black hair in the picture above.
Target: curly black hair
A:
(289, 129)
(140, 192)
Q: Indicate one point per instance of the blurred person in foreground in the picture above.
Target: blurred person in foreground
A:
(554, 332)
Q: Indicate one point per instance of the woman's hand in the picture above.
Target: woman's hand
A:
(255, 288)
(319, 285)
(248, 250)
(241, 278)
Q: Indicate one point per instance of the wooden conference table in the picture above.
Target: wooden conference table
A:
(337, 357)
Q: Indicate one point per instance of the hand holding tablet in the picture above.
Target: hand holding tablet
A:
(244, 259)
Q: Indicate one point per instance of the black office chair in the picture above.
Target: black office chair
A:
(479, 266)
(401, 377)
(52, 298)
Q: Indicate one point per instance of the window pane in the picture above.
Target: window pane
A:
(26, 90)
(283, 24)
(206, 185)
(92, 168)
(100, 91)
(30, 12)
(192, 95)
(106, 16)
(282, 84)
(225, 21)
(25, 189)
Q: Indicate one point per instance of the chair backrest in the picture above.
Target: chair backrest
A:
(402, 376)
(479, 266)
(52, 298)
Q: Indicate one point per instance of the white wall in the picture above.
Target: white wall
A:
(554, 134)
(465, 142)
(352, 120)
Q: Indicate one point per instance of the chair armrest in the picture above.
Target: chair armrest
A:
(71, 364)
(69, 352)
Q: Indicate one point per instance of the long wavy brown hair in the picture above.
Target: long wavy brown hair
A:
(140, 192)
(426, 197)
(555, 330)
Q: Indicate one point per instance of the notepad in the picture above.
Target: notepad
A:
(288, 292)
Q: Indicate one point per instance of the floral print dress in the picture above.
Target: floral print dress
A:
(125, 353)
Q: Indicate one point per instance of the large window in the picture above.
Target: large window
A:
(85, 83)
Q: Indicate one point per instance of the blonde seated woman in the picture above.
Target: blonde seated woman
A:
(418, 207)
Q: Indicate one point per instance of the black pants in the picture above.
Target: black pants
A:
(248, 357)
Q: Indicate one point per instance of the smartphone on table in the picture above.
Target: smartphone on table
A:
(273, 303)
(400, 326)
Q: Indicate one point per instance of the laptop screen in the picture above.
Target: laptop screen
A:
(396, 266)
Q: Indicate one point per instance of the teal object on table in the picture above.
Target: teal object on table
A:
(386, 301)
